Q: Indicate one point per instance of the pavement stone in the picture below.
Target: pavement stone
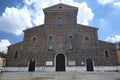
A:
(60, 76)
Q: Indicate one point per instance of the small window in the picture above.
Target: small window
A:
(16, 55)
(34, 39)
(60, 7)
(87, 39)
(70, 42)
(50, 43)
(106, 53)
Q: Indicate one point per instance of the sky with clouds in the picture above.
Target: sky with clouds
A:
(18, 15)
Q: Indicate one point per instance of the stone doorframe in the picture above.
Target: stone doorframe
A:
(55, 59)
(87, 64)
(29, 63)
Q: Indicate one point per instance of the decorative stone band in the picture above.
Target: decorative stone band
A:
(68, 69)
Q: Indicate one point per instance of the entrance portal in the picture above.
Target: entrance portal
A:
(60, 62)
(32, 65)
(89, 65)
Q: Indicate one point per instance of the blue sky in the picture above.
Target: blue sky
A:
(18, 15)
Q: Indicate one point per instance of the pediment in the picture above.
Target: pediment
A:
(61, 6)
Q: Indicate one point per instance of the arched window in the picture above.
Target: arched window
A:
(106, 53)
(50, 43)
(70, 42)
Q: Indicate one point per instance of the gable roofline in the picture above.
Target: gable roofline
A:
(88, 26)
(101, 41)
(42, 25)
(61, 4)
(18, 43)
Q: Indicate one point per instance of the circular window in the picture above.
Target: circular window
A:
(34, 39)
(60, 21)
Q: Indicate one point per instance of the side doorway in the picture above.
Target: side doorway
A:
(31, 65)
(89, 64)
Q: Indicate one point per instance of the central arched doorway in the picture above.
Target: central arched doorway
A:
(60, 62)
(89, 64)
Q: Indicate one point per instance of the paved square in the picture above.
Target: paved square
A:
(60, 76)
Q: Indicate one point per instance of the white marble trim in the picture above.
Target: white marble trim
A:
(68, 69)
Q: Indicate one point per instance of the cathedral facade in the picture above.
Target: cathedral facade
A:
(60, 44)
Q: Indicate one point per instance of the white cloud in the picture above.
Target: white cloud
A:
(85, 13)
(15, 20)
(3, 45)
(115, 3)
(114, 39)
(104, 2)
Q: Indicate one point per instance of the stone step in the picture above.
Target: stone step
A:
(60, 76)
